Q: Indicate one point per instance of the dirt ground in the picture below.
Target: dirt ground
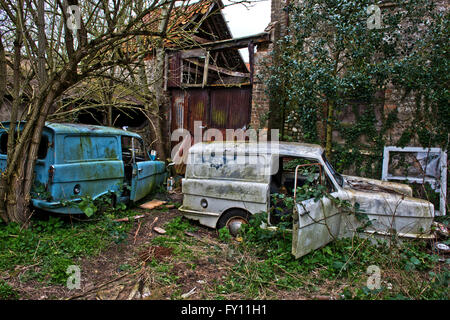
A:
(104, 277)
(154, 266)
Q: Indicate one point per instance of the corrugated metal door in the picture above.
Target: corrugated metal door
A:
(230, 108)
(197, 105)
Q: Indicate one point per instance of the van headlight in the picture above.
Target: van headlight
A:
(204, 203)
(77, 189)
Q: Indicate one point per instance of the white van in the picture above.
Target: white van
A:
(227, 182)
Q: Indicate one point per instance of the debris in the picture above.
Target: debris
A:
(90, 289)
(109, 294)
(155, 252)
(146, 292)
(151, 225)
(323, 298)
(152, 204)
(137, 231)
(134, 291)
(201, 281)
(442, 247)
(441, 229)
(188, 294)
(129, 218)
(170, 206)
(190, 234)
(170, 183)
(159, 230)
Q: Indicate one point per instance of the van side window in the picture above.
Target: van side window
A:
(43, 147)
(140, 153)
(284, 179)
(4, 143)
(42, 151)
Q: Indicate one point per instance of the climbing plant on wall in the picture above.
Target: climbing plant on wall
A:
(330, 73)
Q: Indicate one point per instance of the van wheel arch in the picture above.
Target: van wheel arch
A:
(233, 218)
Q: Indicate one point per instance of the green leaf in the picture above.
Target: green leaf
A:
(89, 211)
(415, 261)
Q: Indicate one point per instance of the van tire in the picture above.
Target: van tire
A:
(233, 216)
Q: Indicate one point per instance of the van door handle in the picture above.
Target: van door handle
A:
(140, 170)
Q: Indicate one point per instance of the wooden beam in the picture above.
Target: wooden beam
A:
(193, 53)
(205, 70)
(237, 43)
(220, 69)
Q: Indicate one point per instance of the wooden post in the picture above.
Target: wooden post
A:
(205, 70)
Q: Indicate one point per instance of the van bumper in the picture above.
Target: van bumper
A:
(208, 219)
(56, 207)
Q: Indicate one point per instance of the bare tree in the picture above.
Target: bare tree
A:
(69, 48)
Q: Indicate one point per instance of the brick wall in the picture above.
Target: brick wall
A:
(260, 100)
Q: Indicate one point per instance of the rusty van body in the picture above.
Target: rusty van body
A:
(76, 161)
(226, 183)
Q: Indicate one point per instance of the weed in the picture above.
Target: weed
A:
(7, 292)
(179, 225)
(270, 265)
(224, 235)
(47, 247)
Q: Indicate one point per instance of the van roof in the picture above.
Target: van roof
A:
(271, 147)
(87, 129)
(79, 128)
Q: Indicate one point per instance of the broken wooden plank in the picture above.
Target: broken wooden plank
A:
(129, 218)
(152, 204)
(159, 230)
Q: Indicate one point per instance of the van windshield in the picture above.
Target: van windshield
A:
(339, 179)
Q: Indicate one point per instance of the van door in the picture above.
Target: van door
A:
(316, 221)
(146, 173)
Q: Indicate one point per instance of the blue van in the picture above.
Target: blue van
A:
(76, 161)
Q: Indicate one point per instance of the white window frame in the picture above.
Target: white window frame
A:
(438, 184)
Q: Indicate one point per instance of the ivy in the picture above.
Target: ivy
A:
(330, 60)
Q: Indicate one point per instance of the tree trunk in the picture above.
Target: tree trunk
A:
(2, 71)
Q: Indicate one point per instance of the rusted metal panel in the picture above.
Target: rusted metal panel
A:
(230, 108)
(219, 108)
(178, 109)
(174, 77)
(197, 107)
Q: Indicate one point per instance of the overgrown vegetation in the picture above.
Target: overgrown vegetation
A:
(45, 249)
(333, 74)
(339, 270)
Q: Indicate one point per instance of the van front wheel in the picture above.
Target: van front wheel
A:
(233, 220)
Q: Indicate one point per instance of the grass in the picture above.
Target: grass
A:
(408, 270)
(260, 266)
(45, 249)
